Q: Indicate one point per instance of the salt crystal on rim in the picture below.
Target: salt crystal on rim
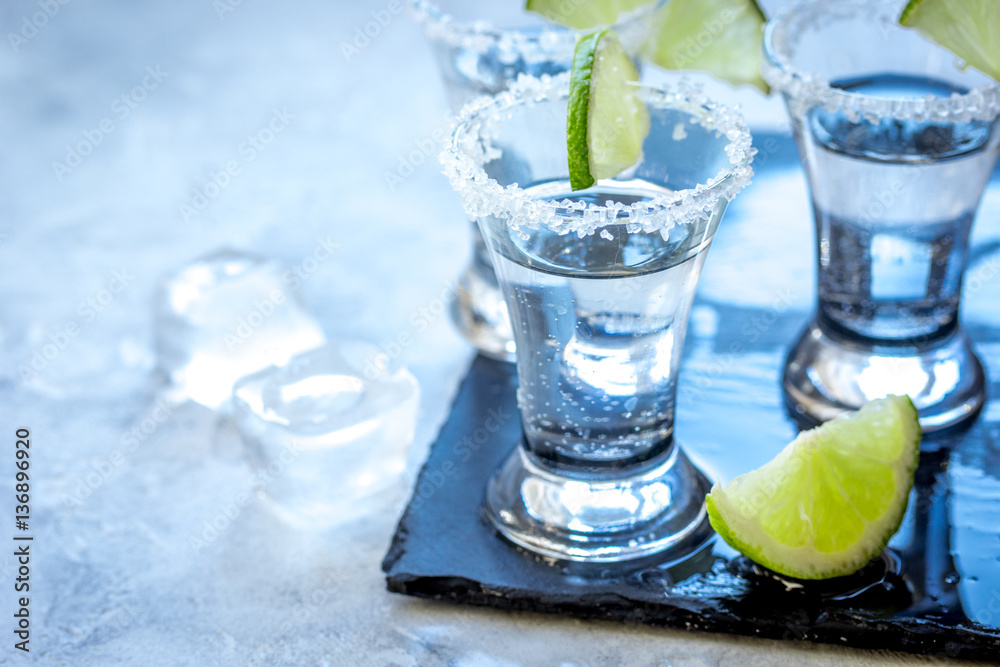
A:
(549, 43)
(790, 26)
(470, 146)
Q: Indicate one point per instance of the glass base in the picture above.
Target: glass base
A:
(827, 375)
(656, 508)
(480, 313)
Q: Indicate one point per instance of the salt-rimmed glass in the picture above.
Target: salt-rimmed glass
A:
(599, 284)
(480, 47)
(898, 145)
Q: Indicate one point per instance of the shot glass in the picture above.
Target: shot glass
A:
(898, 144)
(599, 284)
(480, 48)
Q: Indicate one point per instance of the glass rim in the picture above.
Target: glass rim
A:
(483, 196)
(480, 35)
(981, 103)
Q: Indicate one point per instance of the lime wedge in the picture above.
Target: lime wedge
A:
(607, 122)
(830, 501)
(968, 28)
(583, 14)
(721, 37)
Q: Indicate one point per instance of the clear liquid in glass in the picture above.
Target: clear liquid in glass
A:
(612, 311)
(891, 202)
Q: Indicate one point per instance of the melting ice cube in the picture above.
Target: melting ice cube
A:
(327, 430)
(225, 316)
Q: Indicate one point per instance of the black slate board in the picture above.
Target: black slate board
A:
(936, 590)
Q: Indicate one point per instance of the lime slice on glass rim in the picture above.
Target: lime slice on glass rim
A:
(607, 122)
(721, 37)
(584, 14)
(968, 28)
(829, 502)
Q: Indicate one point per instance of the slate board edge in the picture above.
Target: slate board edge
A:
(965, 642)
(397, 548)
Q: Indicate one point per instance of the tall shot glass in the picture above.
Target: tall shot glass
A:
(898, 144)
(599, 284)
(480, 47)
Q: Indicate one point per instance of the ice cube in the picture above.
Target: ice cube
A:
(327, 430)
(227, 315)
